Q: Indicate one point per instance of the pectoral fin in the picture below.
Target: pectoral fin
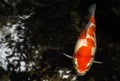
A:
(97, 62)
(68, 56)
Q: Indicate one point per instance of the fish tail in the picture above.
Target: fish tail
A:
(92, 9)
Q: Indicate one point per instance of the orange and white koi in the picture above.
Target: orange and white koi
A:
(85, 47)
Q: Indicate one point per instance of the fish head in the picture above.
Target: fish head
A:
(83, 63)
(83, 68)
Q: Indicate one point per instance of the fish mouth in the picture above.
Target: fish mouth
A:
(82, 73)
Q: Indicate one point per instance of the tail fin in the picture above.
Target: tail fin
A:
(92, 9)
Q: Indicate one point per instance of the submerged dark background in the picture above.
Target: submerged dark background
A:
(54, 27)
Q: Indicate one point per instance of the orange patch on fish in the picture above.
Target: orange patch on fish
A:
(91, 31)
(84, 51)
(90, 43)
(92, 19)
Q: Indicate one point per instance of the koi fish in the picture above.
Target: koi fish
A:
(85, 47)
